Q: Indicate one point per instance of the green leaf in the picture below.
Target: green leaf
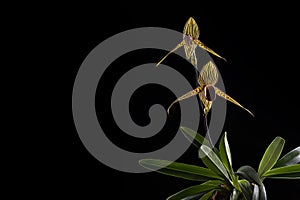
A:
(197, 189)
(225, 154)
(215, 161)
(270, 156)
(199, 140)
(180, 170)
(287, 172)
(217, 152)
(210, 165)
(246, 189)
(194, 137)
(262, 192)
(255, 195)
(207, 195)
(250, 174)
(224, 148)
(291, 158)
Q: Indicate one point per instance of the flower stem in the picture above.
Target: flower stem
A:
(204, 117)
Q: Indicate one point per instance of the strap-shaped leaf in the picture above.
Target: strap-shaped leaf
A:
(194, 137)
(217, 152)
(270, 156)
(197, 189)
(291, 158)
(287, 172)
(210, 165)
(225, 154)
(180, 170)
(214, 160)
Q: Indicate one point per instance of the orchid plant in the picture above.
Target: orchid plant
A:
(218, 180)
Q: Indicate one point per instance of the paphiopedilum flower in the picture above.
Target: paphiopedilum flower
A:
(207, 90)
(190, 42)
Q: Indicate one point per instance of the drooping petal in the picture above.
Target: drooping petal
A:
(200, 44)
(228, 98)
(178, 46)
(185, 96)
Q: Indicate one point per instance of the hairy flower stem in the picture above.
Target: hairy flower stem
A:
(203, 116)
(207, 130)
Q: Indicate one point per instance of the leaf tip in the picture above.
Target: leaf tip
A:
(141, 162)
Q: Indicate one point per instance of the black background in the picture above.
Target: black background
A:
(262, 52)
